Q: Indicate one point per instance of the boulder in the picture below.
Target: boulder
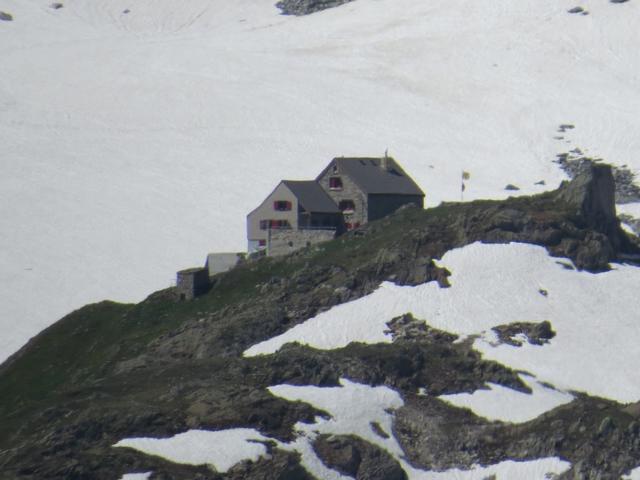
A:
(357, 458)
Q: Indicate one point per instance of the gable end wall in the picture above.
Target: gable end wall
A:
(266, 212)
(350, 191)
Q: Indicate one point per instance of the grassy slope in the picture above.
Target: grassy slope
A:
(82, 348)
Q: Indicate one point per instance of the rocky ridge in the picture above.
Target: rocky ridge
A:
(161, 367)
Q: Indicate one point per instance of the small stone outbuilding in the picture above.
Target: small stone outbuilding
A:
(192, 282)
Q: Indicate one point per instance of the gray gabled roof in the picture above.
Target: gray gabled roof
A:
(376, 175)
(311, 196)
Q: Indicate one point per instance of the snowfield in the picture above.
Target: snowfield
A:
(220, 449)
(136, 136)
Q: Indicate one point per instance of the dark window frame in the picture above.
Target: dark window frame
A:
(347, 206)
(282, 205)
(335, 183)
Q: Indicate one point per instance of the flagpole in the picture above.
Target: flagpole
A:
(464, 176)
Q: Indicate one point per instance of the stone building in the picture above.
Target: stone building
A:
(192, 282)
(348, 193)
(292, 208)
(366, 189)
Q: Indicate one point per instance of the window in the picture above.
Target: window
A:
(335, 183)
(347, 206)
(335, 168)
(280, 224)
(282, 205)
(262, 243)
(274, 224)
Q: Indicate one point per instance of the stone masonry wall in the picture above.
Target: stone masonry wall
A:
(349, 191)
(192, 282)
(282, 242)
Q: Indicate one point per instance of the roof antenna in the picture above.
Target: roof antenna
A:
(386, 153)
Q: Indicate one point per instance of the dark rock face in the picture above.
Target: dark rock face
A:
(536, 333)
(161, 367)
(435, 435)
(306, 7)
(357, 458)
(574, 163)
(592, 194)
(280, 466)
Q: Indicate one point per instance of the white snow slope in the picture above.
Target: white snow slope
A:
(135, 143)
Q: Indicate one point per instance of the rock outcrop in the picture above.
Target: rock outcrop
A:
(306, 7)
(357, 458)
(592, 195)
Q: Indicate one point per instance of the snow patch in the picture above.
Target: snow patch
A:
(508, 405)
(541, 469)
(222, 449)
(627, 228)
(632, 209)
(633, 474)
(136, 476)
(352, 407)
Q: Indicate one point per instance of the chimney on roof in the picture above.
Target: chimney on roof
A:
(384, 161)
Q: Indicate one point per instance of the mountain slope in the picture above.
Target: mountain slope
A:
(163, 367)
(136, 136)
